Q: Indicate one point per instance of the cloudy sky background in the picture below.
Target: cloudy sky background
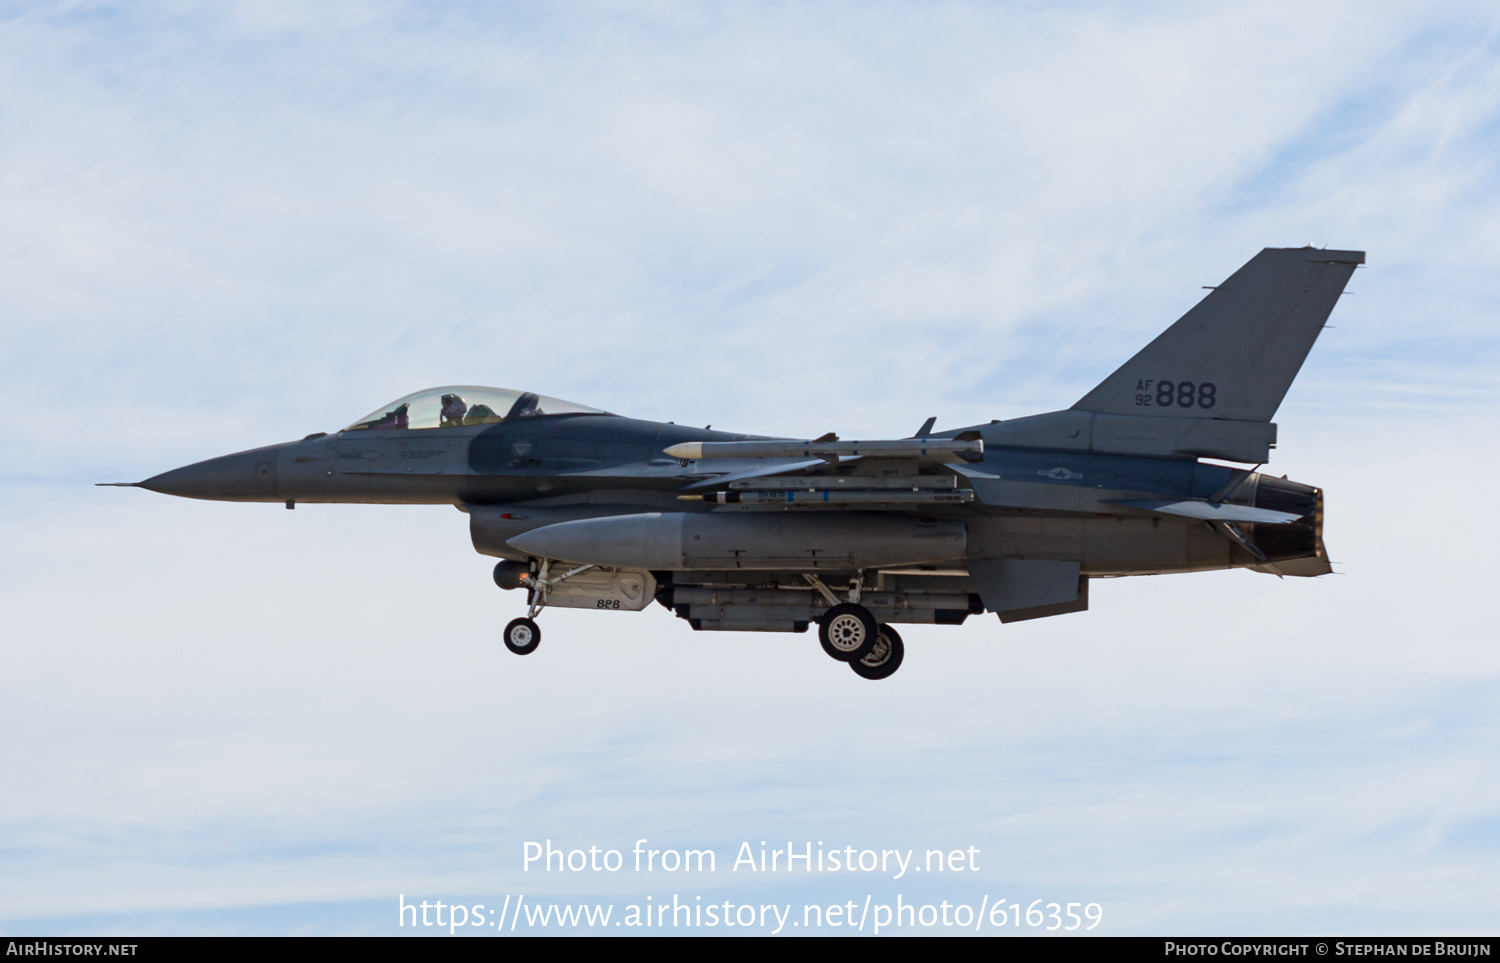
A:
(225, 227)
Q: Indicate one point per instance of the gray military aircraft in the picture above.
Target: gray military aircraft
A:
(733, 532)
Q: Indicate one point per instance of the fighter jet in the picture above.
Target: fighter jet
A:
(750, 533)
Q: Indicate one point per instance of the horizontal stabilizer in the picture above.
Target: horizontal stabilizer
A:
(1234, 355)
(1208, 511)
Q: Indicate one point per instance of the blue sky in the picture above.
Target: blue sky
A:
(232, 226)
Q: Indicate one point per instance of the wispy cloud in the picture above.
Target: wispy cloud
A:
(231, 226)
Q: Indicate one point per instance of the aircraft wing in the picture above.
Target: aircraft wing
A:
(823, 453)
(762, 471)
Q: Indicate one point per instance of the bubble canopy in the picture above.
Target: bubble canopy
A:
(459, 405)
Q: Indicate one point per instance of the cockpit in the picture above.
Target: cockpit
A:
(458, 406)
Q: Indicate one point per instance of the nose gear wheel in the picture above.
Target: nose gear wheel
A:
(522, 636)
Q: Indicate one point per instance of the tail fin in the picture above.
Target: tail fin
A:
(1234, 355)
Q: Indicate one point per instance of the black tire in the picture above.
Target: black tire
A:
(522, 636)
(884, 659)
(848, 632)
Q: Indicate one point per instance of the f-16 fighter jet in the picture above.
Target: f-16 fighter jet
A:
(748, 533)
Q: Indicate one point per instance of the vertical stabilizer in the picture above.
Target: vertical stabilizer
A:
(1234, 355)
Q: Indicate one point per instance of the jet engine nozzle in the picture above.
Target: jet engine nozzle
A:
(1301, 538)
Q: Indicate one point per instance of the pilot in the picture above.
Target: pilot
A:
(452, 412)
(480, 415)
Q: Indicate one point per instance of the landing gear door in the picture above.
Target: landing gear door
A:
(620, 589)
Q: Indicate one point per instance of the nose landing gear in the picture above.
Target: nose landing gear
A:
(522, 636)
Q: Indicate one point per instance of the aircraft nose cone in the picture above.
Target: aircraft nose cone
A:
(244, 476)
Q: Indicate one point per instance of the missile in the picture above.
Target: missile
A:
(966, 447)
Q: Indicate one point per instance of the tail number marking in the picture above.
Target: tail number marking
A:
(1183, 394)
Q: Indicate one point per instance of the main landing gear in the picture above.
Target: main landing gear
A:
(884, 659)
(849, 633)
